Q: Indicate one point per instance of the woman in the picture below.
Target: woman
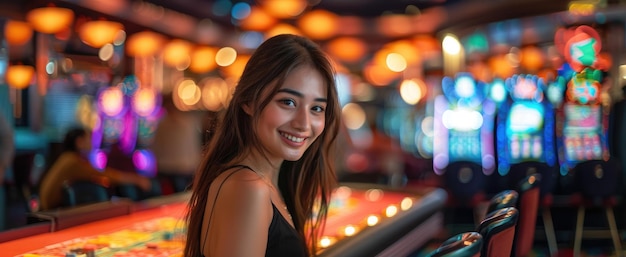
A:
(269, 164)
(72, 165)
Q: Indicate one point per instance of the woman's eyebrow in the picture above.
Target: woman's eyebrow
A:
(300, 95)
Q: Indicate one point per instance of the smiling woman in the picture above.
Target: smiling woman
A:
(269, 165)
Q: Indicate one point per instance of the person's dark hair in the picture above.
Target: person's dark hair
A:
(310, 178)
(69, 142)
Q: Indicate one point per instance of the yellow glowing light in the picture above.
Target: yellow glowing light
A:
(406, 203)
(203, 59)
(326, 241)
(372, 220)
(282, 28)
(19, 76)
(17, 32)
(144, 102)
(177, 52)
(214, 93)
(353, 115)
(319, 24)
(50, 20)
(410, 92)
(373, 195)
(347, 49)
(99, 33)
(284, 8)
(145, 43)
(349, 230)
(451, 45)
(188, 92)
(112, 101)
(236, 68)
(225, 56)
(343, 192)
(396, 62)
(258, 20)
(391, 211)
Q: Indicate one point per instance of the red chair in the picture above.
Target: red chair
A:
(597, 183)
(468, 244)
(549, 175)
(498, 231)
(503, 199)
(528, 205)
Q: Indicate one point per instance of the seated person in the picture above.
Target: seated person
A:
(72, 165)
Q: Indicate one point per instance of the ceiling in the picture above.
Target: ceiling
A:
(429, 16)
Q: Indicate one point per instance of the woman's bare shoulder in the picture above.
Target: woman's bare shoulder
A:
(242, 184)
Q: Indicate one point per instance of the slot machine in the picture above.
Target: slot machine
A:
(113, 126)
(525, 132)
(583, 116)
(463, 148)
(147, 111)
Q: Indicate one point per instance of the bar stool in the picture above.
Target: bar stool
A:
(468, 244)
(498, 231)
(528, 205)
(597, 183)
(83, 192)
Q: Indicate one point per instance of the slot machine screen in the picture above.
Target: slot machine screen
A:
(582, 132)
(526, 118)
(525, 131)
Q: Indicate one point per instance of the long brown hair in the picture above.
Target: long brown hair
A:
(301, 182)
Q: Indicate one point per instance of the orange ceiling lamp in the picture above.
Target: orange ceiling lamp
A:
(143, 44)
(99, 33)
(405, 48)
(258, 20)
(17, 32)
(348, 49)
(19, 76)
(50, 20)
(177, 53)
(284, 9)
(319, 24)
(203, 59)
(282, 28)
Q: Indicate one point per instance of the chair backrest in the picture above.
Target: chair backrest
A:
(466, 244)
(597, 179)
(503, 199)
(498, 231)
(465, 181)
(529, 190)
(134, 193)
(520, 171)
(83, 192)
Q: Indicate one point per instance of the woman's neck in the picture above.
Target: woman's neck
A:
(267, 168)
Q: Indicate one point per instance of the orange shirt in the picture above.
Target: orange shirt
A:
(70, 167)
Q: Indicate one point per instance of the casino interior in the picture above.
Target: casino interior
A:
(469, 127)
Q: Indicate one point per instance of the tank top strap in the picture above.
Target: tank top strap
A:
(240, 167)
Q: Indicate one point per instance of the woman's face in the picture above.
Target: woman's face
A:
(295, 116)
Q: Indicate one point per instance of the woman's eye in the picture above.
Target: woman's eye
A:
(318, 109)
(288, 102)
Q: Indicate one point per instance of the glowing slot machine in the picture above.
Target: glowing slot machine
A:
(463, 148)
(463, 125)
(111, 126)
(583, 120)
(146, 107)
(525, 125)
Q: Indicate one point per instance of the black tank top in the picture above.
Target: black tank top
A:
(283, 239)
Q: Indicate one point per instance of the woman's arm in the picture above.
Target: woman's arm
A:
(85, 171)
(242, 213)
